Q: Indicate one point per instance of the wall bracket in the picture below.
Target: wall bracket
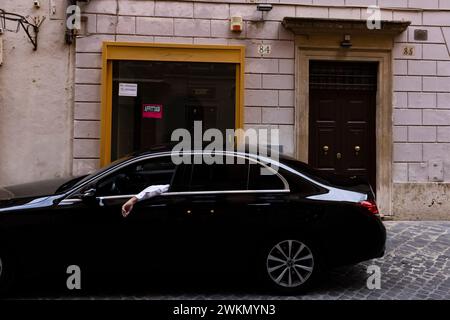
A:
(13, 22)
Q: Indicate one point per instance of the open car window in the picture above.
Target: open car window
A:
(136, 177)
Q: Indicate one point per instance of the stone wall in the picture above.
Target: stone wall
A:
(36, 99)
(55, 139)
(421, 81)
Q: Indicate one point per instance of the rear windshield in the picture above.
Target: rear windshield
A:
(306, 170)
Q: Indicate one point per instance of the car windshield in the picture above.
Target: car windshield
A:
(101, 170)
(68, 185)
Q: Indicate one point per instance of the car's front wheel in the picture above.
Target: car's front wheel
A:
(290, 266)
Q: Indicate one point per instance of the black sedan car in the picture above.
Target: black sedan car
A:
(284, 226)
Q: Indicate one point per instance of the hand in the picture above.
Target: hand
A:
(128, 206)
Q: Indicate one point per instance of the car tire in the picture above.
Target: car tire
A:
(289, 265)
(7, 274)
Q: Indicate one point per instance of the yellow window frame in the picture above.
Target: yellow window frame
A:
(163, 52)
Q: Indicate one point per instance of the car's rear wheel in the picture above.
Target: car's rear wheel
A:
(290, 265)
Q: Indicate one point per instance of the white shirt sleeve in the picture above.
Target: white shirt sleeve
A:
(152, 191)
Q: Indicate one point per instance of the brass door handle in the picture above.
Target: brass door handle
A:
(357, 148)
(338, 155)
(325, 149)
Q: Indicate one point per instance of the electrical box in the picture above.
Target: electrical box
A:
(421, 35)
(236, 24)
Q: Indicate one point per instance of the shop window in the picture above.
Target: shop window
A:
(150, 99)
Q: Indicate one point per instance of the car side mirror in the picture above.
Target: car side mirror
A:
(89, 196)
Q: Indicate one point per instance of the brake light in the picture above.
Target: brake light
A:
(370, 206)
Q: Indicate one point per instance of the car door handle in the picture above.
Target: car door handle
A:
(118, 199)
(157, 205)
(67, 202)
(259, 204)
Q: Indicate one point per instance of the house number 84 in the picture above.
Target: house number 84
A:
(264, 49)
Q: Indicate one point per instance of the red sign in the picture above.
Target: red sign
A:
(152, 111)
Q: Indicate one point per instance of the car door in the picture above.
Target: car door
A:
(213, 198)
(267, 194)
(86, 234)
(145, 232)
(95, 230)
(270, 192)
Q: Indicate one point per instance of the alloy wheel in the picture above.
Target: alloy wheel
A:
(290, 263)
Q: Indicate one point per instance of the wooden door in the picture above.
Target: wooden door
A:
(342, 101)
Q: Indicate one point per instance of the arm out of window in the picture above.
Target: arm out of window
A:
(152, 191)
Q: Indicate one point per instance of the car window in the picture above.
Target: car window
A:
(217, 177)
(180, 181)
(298, 184)
(100, 171)
(306, 170)
(225, 177)
(259, 181)
(230, 175)
(137, 176)
(69, 184)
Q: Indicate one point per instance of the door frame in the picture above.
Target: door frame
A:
(383, 120)
(170, 52)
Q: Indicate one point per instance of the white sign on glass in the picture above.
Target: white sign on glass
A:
(128, 89)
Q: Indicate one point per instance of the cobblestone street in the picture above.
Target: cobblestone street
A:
(416, 266)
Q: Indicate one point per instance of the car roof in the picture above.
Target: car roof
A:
(164, 148)
(284, 159)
